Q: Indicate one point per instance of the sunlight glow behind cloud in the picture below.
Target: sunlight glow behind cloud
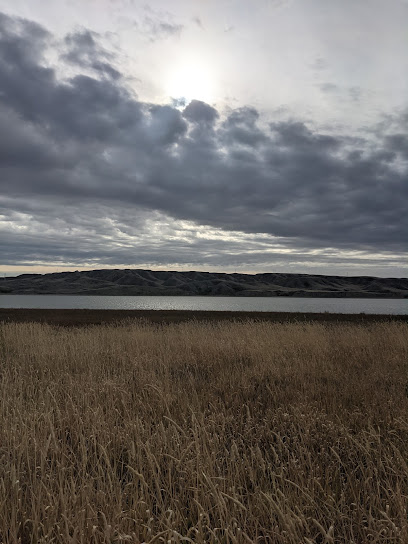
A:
(190, 79)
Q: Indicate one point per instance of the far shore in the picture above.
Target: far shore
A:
(82, 317)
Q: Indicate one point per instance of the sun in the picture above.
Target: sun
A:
(191, 80)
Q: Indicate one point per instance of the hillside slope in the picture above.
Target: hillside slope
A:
(148, 282)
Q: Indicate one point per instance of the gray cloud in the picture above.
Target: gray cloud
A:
(83, 50)
(158, 25)
(161, 29)
(319, 64)
(83, 155)
(329, 88)
(200, 112)
(198, 22)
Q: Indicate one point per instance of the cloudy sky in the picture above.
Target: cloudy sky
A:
(221, 135)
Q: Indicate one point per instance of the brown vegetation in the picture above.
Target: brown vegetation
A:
(204, 432)
(79, 317)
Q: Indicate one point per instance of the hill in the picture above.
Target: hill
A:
(148, 282)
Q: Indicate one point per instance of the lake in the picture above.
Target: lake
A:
(246, 304)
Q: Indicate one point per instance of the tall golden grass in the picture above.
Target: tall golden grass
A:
(204, 432)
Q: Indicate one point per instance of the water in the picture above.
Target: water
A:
(247, 304)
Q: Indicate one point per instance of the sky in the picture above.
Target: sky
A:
(219, 135)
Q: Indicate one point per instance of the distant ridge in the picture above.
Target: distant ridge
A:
(149, 282)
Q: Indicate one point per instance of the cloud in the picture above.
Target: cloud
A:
(343, 94)
(159, 25)
(329, 88)
(319, 64)
(161, 29)
(91, 174)
(197, 20)
(200, 112)
(128, 236)
(83, 50)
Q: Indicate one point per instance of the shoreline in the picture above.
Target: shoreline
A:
(342, 295)
(83, 317)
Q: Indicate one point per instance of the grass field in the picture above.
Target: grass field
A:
(204, 432)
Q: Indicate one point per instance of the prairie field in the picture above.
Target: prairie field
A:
(216, 432)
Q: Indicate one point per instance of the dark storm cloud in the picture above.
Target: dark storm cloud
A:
(200, 112)
(240, 127)
(397, 143)
(85, 143)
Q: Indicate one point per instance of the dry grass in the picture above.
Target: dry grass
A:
(204, 432)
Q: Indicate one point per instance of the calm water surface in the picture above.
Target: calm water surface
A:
(248, 304)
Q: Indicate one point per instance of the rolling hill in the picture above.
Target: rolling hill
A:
(148, 282)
